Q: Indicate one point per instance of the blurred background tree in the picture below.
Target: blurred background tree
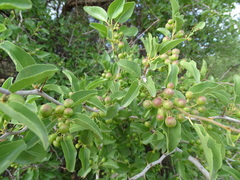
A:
(58, 32)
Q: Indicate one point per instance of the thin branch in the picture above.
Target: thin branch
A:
(6, 134)
(31, 92)
(159, 161)
(210, 120)
(226, 118)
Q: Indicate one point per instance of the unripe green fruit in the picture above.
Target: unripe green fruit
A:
(175, 51)
(168, 93)
(209, 127)
(52, 137)
(201, 109)
(180, 117)
(169, 26)
(68, 102)
(173, 57)
(145, 61)
(120, 55)
(56, 143)
(170, 85)
(167, 104)
(187, 109)
(63, 128)
(59, 109)
(159, 117)
(102, 114)
(164, 56)
(157, 102)
(201, 100)
(179, 102)
(238, 113)
(77, 146)
(189, 94)
(95, 114)
(107, 99)
(161, 111)
(195, 112)
(108, 75)
(121, 45)
(147, 124)
(147, 104)
(170, 21)
(165, 39)
(175, 62)
(167, 61)
(180, 34)
(16, 98)
(46, 110)
(170, 122)
(108, 121)
(59, 138)
(68, 112)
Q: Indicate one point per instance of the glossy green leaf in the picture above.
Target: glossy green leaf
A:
(181, 169)
(192, 69)
(95, 83)
(147, 138)
(115, 8)
(131, 94)
(179, 22)
(84, 156)
(165, 46)
(236, 89)
(2, 27)
(233, 172)
(22, 114)
(20, 58)
(110, 164)
(203, 70)
(81, 96)
(73, 80)
(164, 31)
(97, 103)
(33, 155)
(175, 7)
(173, 136)
(57, 88)
(222, 96)
(129, 31)
(15, 4)
(172, 76)
(112, 111)
(126, 13)
(31, 74)
(101, 28)
(7, 83)
(199, 26)
(131, 67)
(211, 149)
(87, 123)
(96, 12)
(70, 153)
(9, 151)
(150, 85)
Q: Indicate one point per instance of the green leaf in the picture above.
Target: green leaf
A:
(20, 58)
(57, 88)
(82, 96)
(150, 85)
(96, 12)
(112, 111)
(199, 26)
(147, 138)
(230, 171)
(73, 80)
(211, 149)
(164, 31)
(84, 156)
(179, 22)
(115, 8)
(33, 155)
(173, 136)
(7, 83)
(15, 4)
(70, 153)
(175, 7)
(126, 13)
(110, 164)
(87, 123)
(22, 114)
(129, 31)
(95, 83)
(2, 27)
(131, 67)
(31, 74)
(165, 46)
(203, 70)
(173, 71)
(236, 89)
(97, 103)
(192, 69)
(221, 95)
(131, 94)
(103, 30)
(9, 151)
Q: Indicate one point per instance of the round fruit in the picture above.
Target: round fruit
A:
(189, 94)
(147, 104)
(157, 102)
(168, 93)
(201, 100)
(59, 109)
(167, 104)
(159, 117)
(46, 110)
(102, 114)
(16, 98)
(68, 102)
(175, 51)
(107, 99)
(161, 112)
(170, 85)
(179, 102)
(170, 21)
(145, 61)
(167, 61)
(56, 143)
(195, 112)
(170, 122)
(120, 45)
(174, 57)
(108, 121)
(238, 113)
(180, 117)
(63, 128)
(164, 56)
(147, 124)
(201, 109)
(52, 137)
(165, 39)
(108, 75)
(68, 112)
(169, 26)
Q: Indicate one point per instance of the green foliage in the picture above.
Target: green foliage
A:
(121, 109)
